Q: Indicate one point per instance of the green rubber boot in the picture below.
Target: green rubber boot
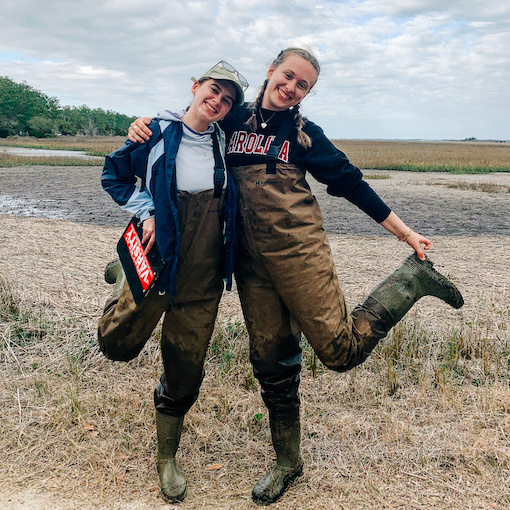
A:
(413, 280)
(391, 300)
(173, 483)
(286, 442)
(114, 274)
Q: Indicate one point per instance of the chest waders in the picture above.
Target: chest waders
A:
(188, 322)
(187, 327)
(287, 283)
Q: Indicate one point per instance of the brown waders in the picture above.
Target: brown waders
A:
(287, 283)
(186, 331)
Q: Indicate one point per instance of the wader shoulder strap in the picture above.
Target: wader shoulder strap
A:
(276, 145)
(219, 167)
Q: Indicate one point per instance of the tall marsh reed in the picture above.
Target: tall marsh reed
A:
(417, 156)
(453, 157)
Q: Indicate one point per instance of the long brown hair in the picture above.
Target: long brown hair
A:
(252, 122)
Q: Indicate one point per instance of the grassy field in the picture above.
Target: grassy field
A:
(423, 424)
(93, 145)
(457, 157)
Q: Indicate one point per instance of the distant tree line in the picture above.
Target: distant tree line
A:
(26, 111)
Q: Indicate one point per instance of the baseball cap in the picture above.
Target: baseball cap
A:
(224, 71)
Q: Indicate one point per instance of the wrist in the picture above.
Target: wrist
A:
(406, 236)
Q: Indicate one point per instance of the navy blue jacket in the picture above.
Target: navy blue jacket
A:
(154, 164)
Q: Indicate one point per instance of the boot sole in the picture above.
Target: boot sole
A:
(427, 268)
(174, 499)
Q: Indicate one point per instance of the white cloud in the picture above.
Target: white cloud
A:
(391, 68)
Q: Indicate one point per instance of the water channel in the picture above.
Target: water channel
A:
(23, 151)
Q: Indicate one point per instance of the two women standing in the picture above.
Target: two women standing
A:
(285, 271)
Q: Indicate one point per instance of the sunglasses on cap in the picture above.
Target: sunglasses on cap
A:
(231, 69)
(224, 71)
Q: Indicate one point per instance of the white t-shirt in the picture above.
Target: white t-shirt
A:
(194, 162)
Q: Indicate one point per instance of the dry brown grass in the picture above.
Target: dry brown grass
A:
(12, 160)
(484, 187)
(423, 424)
(95, 144)
(376, 176)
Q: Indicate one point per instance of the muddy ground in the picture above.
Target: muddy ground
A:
(422, 199)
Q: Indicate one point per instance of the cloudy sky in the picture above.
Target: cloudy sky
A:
(392, 69)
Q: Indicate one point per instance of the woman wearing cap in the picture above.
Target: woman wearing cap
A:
(186, 201)
(285, 272)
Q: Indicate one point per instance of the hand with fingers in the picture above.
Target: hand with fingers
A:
(415, 241)
(138, 130)
(149, 233)
(405, 234)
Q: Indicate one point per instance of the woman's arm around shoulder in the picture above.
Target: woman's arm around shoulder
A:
(138, 130)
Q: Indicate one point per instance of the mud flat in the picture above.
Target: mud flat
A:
(423, 200)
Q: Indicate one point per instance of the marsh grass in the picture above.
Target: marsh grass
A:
(98, 146)
(484, 187)
(417, 156)
(452, 157)
(93, 145)
(11, 160)
(427, 415)
(376, 176)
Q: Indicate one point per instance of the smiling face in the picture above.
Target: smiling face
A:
(288, 83)
(213, 100)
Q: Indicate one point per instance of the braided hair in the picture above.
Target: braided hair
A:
(252, 122)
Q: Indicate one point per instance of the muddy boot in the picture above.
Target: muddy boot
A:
(286, 441)
(393, 298)
(114, 274)
(173, 483)
(410, 282)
